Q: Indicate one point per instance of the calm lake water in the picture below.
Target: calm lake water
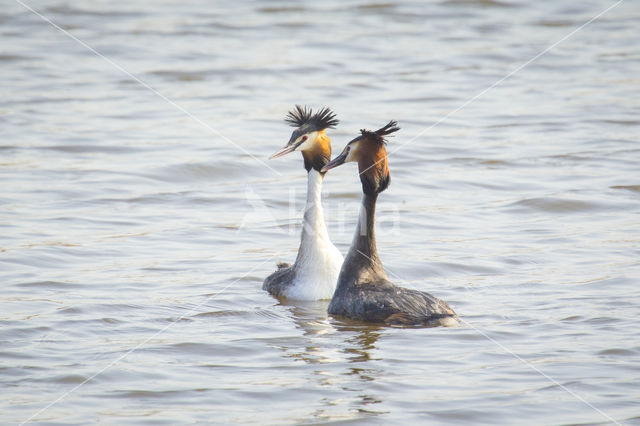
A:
(137, 227)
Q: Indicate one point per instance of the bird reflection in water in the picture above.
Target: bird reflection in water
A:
(350, 366)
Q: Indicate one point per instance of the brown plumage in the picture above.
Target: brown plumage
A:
(373, 165)
(319, 154)
(314, 274)
(364, 292)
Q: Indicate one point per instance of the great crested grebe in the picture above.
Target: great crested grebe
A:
(314, 274)
(364, 291)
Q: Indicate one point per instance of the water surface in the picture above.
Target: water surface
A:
(138, 222)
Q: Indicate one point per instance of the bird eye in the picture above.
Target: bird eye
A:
(304, 138)
(348, 148)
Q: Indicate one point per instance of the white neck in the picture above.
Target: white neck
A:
(313, 225)
(318, 262)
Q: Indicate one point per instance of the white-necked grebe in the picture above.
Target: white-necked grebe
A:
(364, 291)
(314, 274)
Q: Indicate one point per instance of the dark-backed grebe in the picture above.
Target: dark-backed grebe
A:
(364, 291)
(314, 274)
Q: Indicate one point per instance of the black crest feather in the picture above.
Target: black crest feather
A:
(379, 135)
(323, 119)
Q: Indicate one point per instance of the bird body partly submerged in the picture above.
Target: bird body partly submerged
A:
(364, 292)
(315, 272)
(385, 302)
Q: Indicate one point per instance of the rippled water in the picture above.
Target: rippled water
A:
(137, 227)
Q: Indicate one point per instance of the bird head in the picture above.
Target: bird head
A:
(369, 151)
(309, 136)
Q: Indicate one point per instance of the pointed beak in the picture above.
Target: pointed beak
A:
(335, 162)
(284, 151)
